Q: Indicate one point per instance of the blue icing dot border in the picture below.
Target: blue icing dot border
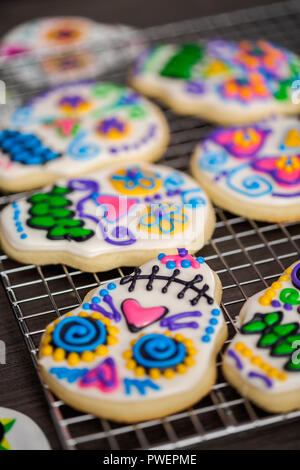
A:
(18, 223)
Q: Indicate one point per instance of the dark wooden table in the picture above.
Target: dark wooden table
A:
(19, 386)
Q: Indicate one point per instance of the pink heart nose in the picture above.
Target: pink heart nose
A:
(138, 317)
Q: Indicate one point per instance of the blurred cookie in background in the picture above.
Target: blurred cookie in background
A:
(54, 50)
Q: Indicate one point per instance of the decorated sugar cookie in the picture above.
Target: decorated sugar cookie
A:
(263, 359)
(122, 215)
(221, 81)
(75, 128)
(19, 432)
(141, 347)
(59, 49)
(253, 170)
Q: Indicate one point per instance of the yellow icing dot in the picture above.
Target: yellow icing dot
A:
(189, 361)
(87, 356)
(246, 352)
(49, 329)
(284, 278)
(59, 354)
(270, 293)
(181, 368)
(132, 342)
(96, 316)
(47, 350)
(113, 330)
(111, 340)
(169, 374)
(189, 343)
(154, 373)
(70, 314)
(239, 346)
(265, 301)
(46, 340)
(276, 285)
(131, 364)
(289, 271)
(256, 361)
(281, 376)
(265, 367)
(56, 321)
(73, 359)
(101, 350)
(179, 337)
(192, 351)
(272, 372)
(82, 314)
(168, 333)
(127, 354)
(140, 371)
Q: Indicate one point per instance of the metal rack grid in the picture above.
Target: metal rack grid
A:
(247, 255)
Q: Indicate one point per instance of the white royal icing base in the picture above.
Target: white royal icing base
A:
(235, 177)
(205, 350)
(25, 433)
(87, 148)
(169, 179)
(252, 306)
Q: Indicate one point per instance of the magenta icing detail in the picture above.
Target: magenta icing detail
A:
(104, 377)
(241, 142)
(139, 317)
(263, 377)
(115, 207)
(123, 236)
(236, 358)
(172, 322)
(177, 259)
(286, 175)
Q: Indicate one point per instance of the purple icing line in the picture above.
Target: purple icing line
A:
(58, 87)
(286, 195)
(295, 278)
(115, 315)
(256, 375)
(234, 356)
(170, 322)
(93, 187)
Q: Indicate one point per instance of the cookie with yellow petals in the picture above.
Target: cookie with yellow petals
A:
(263, 360)
(141, 347)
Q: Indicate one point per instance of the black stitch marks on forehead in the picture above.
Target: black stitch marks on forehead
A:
(153, 276)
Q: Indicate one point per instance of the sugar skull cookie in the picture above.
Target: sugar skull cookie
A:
(123, 215)
(54, 50)
(221, 81)
(141, 347)
(19, 432)
(253, 170)
(77, 127)
(263, 359)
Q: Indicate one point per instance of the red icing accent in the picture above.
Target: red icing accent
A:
(138, 316)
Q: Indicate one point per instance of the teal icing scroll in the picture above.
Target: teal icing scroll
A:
(79, 149)
(250, 185)
(213, 161)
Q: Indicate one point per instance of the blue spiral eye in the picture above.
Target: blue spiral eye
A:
(79, 334)
(158, 351)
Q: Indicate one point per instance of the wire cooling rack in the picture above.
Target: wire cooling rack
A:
(247, 255)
